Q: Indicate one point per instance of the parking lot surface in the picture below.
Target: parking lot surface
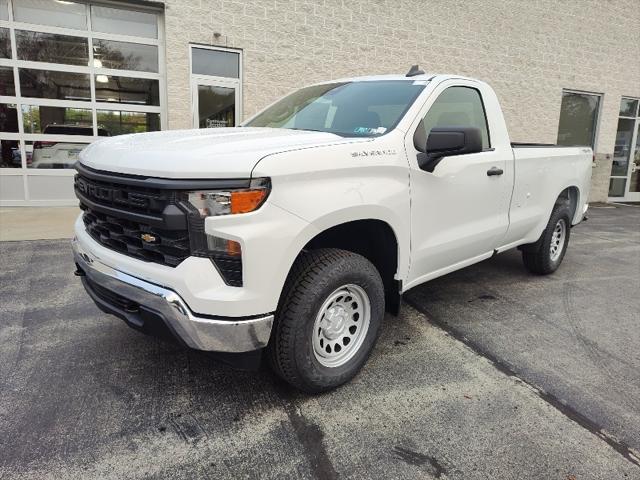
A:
(493, 374)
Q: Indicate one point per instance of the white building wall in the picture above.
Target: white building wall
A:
(528, 50)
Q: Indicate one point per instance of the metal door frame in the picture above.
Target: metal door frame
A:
(210, 80)
(628, 195)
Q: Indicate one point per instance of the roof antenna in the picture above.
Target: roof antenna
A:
(414, 70)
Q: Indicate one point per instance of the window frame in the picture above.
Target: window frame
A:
(596, 130)
(92, 71)
(212, 80)
(489, 147)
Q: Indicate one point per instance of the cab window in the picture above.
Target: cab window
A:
(458, 107)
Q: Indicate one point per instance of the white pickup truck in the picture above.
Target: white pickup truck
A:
(298, 230)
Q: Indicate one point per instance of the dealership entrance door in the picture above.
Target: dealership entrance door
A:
(624, 184)
(216, 104)
(215, 87)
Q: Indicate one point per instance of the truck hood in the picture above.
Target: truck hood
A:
(206, 153)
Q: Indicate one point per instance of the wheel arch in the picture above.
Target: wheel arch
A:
(571, 195)
(374, 239)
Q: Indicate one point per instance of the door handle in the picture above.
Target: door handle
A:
(494, 171)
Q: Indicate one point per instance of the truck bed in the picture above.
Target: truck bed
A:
(537, 145)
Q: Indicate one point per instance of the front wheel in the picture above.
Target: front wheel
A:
(328, 319)
(545, 256)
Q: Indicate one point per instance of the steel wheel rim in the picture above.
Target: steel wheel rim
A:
(558, 237)
(341, 325)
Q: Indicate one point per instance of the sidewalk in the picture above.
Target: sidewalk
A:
(37, 223)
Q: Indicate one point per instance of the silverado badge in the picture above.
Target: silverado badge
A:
(147, 237)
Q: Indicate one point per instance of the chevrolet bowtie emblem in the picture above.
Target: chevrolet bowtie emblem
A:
(147, 237)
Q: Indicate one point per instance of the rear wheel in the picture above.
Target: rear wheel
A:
(328, 319)
(545, 256)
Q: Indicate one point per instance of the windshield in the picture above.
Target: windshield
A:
(359, 109)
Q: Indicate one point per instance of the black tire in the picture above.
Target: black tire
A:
(537, 257)
(315, 275)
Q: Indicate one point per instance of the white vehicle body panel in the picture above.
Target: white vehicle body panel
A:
(206, 153)
(541, 174)
(468, 211)
(442, 221)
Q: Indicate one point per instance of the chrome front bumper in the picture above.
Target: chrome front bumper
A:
(202, 333)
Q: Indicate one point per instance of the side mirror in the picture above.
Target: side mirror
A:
(446, 142)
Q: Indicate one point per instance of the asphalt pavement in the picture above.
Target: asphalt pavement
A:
(494, 374)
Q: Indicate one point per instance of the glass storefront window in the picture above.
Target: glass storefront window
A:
(51, 107)
(8, 118)
(622, 148)
(634, 185)
(140, 91)
(578, 119)
(51, 12)
(10, 156)
(628, 107)
(45, 119)
(625, 177)
(119, 122)
(4, 10)
(52, 48)
(215, 63)
(123, 22)
(125, 56)
(52, 84)
(7, 86)
(5, 44)
(216, 106)
(617, 187)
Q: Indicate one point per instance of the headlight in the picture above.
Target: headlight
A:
(225, 254)
(220, 202)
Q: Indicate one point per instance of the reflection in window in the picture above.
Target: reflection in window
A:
(125, 56)
(51, 12)
(216, 106)
(138, 91)
(52, 48)
(50, 84)
(5, 43)
(578, 117)
(458, 107)
(53, 154)
(8, 118)
(4, 10)
(10, 154)
(58, 120)
(215, 62)
(622, 148)
(634, 185)
(7, 86)
(124, 22)
(628, 107)
(617, 187)
(118, 122)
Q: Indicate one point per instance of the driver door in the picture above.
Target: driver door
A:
(459, 213)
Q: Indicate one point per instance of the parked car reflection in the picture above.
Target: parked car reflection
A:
(61, 154)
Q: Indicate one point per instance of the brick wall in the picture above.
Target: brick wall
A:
(528, 50)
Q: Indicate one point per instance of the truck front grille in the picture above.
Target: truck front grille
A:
(149, 218)
(139, 240)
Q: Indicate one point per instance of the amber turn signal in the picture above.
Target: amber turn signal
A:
(243, 201)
